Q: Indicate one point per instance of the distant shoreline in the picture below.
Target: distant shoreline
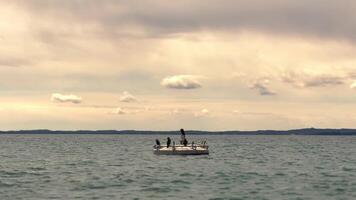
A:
(306, 131)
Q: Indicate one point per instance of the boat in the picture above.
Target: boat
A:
(182, 149)
(200, 149)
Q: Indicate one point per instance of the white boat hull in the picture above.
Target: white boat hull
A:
(182, 150)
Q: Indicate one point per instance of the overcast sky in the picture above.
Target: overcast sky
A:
(166, 65)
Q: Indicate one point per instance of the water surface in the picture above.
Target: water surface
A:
(124, 167)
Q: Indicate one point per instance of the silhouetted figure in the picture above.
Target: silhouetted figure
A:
(182, 131)
(182, 136)
(185, 142)
(158, 143)
(168, 142)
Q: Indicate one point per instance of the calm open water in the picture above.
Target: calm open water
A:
(124, 167)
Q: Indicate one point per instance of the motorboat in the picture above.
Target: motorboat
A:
(182, 149)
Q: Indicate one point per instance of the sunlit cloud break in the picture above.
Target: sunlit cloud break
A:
(61, 98)
(181, 82)
(203, 112)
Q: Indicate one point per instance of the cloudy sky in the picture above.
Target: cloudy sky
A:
(165, 65)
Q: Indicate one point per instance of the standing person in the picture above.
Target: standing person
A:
(182, 136)
(168, 142)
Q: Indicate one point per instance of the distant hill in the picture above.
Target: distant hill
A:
(308, 131)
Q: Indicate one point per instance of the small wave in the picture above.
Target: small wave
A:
(13, 173)
(6, 185)
(348, 169)
(328, 174)
(186, 174)
(180, 182)
(279, 174)
(157, 189)
(98, 186)
(37, 168)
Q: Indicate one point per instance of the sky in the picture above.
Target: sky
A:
(166, 65)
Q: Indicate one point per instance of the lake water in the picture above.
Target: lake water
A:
(124, 167)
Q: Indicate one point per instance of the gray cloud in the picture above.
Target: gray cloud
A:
(323, 81)
(13, 62)
(305, 80)
(263, 88)
(325, 18)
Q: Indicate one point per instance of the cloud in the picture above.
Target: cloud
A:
(13, 62)
(127, 97)
(263, 88)
(124, 111)
(236, 111)
(175, 111)
(306, 80)
(325, 18)
(61, 98)
(120, 111)
(322, 81)
(203, 112)
(181, 82)
(353, 85)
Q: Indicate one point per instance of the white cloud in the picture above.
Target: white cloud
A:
(203, 112)
(175, 111)
(61, 98)
(127, 97)
(124, 111)
(181, 82)
(120, 111)
(353, 85)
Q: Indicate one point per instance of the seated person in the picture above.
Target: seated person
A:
(185, 142)
(158, 143)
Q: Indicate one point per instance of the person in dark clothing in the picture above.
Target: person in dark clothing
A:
(185, 142)
(182, 136)
(158, 143)
(168, 142)
(182, 131)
